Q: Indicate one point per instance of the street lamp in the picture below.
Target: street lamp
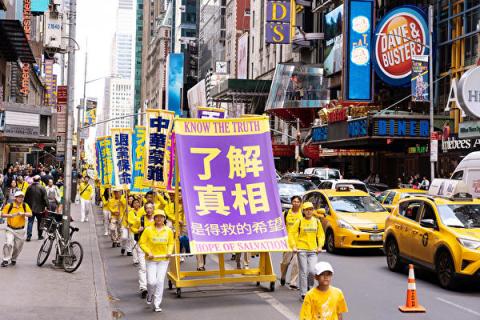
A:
(430, 72)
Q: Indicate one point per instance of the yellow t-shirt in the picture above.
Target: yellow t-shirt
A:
(157, 242)
(323, 305)
(23, 187)
(117, 207)
(307, 234)
(18, 221)
(290, 220)
(134, 219)
(87, 194)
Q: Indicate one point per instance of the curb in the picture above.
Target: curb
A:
(103, 307)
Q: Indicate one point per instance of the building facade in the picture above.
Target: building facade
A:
(118, 103)
(137, 101)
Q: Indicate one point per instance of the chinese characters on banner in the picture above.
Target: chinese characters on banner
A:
(122, 159)
(105, 154)
(230, 195)
(90, 117)
(49, 101)
(210, 113)
(138, 160)
(419, 79)
(157, 160)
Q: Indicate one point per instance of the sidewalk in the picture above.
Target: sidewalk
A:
(31, 292)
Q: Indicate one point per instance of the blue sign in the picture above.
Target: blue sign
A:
(358, 128)
(39, 5)
(319, 134)
(358, 68)
(175, 82)
(402, 128)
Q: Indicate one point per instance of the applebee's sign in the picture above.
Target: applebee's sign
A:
(401, 34)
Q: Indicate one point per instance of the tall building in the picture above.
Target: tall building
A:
(211, 36)
(119, 90)
(137, 101)
(184, 24)
(118, 103)
(156, 44)
(238, 14)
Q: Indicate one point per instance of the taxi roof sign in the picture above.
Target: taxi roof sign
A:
(448, 188)
(344, 187)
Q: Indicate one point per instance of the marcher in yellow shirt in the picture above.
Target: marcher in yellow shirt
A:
(15, 230)
(138, 221)
(21, 184)
(291, 216)
(126, 236)
(324, 301)
(308, 239)
(85, 190)
(157, 243)
(116, 205)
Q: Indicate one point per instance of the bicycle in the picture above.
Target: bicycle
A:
(70, 252)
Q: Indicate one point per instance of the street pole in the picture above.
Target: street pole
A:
(70, 121)
(81, 115)
(297, 148)
(430, 72)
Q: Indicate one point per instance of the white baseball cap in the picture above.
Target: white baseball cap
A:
(323, 266)
(19, 194)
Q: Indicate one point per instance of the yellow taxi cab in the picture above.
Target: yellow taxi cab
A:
(390, 198)
(350, 218)
(439, 231)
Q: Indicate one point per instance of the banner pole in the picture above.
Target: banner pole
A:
(177, 200)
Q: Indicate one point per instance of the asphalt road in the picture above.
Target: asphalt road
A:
(371, 291)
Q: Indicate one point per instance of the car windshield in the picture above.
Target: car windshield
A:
(410, 194)
(292, 189)
(355, 204)
(333, 174)
(460, 215)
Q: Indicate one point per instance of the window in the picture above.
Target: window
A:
(389, 198)
(458, 175)
(381, 197)
(428, 212)
(410, 209)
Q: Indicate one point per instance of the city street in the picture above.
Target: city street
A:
(371, 291)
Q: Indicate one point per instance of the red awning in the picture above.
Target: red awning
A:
(306, 115)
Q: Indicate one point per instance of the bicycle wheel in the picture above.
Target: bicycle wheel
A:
(44, 251)
(73, 257)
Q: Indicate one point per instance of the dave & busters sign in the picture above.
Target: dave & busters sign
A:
(401, 34)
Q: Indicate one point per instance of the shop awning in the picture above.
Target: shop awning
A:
(14, 45)
(241, 90)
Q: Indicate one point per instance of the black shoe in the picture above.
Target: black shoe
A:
(122, 251)
(40, 238)
(233, 257)
(4, 263)
(282, 282)
(129, 254)
(302, 297)
(118, 245)
(28, 239)
(143, 294)
(13, 262)
(114, 244)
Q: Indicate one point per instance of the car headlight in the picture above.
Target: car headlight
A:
(469, 244)
(345, 225)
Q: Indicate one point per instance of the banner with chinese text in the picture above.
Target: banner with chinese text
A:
(107, 176)
(230, 195)
(90, 117)
(122, 159)
(138, 160)
(159, 127)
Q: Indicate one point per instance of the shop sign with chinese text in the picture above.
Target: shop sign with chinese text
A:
(230, 197)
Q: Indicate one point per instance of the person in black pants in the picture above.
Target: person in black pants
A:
(36, 198)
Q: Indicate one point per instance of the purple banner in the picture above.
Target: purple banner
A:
(278, 11)
(230, 197)
(210, 113)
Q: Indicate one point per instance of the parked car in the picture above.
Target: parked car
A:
(335, 183)
(324, 173)
(303, 177)
(287, 189)
(437, 232)
(390, 198)
(351, 218)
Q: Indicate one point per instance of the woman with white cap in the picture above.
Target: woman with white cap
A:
(157, 243)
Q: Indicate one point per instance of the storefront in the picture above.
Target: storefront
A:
(392, 145)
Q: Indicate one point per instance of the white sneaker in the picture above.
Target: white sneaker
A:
(86, 219)
(106, 233)
(182, 259)
(149, 299)
(82, 220)
(158, 309)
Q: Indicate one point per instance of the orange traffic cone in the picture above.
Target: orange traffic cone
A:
(412, 302)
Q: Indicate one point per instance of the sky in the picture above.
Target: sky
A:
(95, 29)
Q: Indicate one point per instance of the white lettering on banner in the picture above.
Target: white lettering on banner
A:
(460, 144)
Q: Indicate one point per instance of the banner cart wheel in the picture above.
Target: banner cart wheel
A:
(170, 285)
(179, 293)
(272, 286)
(258, 284)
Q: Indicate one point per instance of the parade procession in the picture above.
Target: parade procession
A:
(237, 160)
